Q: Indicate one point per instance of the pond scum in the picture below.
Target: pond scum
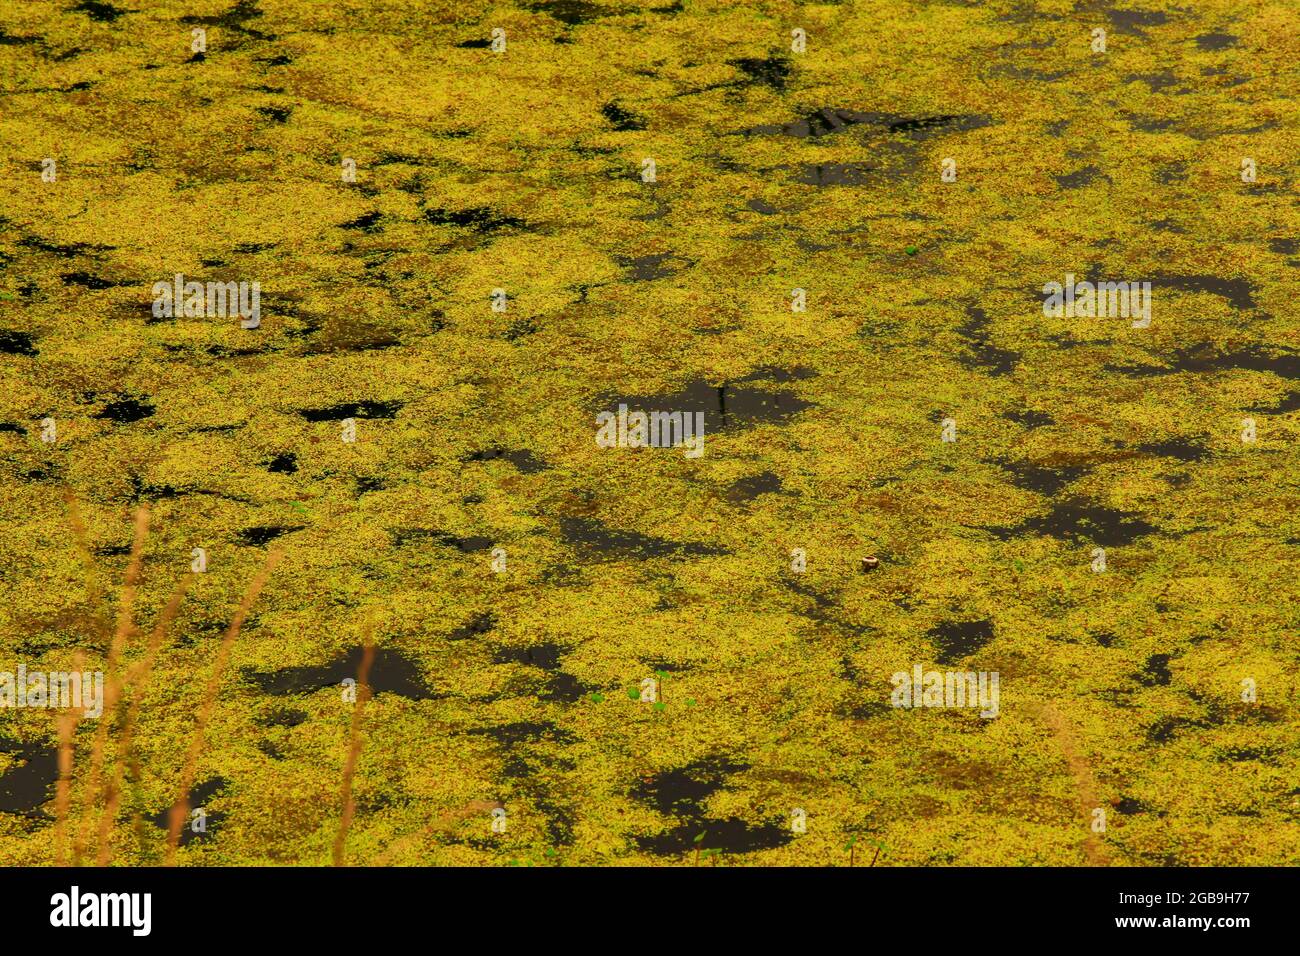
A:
(587, 655)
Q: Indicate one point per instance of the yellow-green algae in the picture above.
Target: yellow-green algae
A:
(167, 166)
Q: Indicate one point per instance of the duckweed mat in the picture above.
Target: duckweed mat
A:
(446, 255)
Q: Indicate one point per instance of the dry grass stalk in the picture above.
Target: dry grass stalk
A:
(63, 790)
(446, 820)
(181, 808)
(1085, 783)
(82, 538)
(112, 681)
(354, 746)
(136, 677)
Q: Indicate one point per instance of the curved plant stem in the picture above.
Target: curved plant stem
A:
(63, 790)
(181, 808)
(136, 677)
(112, 680)
(354, 747)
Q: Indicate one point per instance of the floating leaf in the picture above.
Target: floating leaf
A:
(698, 838)
(690, 701)
(634, 693)
(597, 697)
(659, 705)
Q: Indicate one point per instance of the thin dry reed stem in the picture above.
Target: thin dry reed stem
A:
(181, 808)
(112, 681)
(354, 746)
(82, 538)
(446, 821)
(136, 677)
(63, 790)
(1095, 851)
